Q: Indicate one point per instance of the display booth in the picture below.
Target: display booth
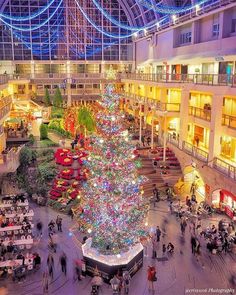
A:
(226, 201)
(110, 265)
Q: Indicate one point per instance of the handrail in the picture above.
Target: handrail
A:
(202, 79)
(195, 151)
(224, 167)
(228, 120)
(204, 114)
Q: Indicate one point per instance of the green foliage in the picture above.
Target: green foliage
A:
(26, 157)
(57, 100)
(47, 171)
(43, 131)
(47, 143)
(57, 112)
(86, 119)
(56, 125)
(31, 139)
(47, 99)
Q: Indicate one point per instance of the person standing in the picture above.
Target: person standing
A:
(154, 247)
(126, 281)
(63, 261)
(45, 281)
(59, 223)
(148, 140)
(143, 140)
(151, 276)
(158, 233)
(183, 225)
(39, 226)
(50, 263)
(193, 244)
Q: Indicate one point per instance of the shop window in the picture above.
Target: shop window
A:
(215, 30)
(186, 38)
(233, 28)
(199, 133)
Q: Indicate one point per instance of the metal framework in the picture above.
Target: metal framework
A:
(72, 29)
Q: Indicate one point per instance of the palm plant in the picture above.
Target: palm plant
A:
(86, 120)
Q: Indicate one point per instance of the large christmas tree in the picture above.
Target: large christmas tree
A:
(113, 210)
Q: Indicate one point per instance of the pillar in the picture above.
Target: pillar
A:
(215, 127)
(68, 84)
(184, 105)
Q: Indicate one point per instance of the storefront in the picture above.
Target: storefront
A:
(226, 201)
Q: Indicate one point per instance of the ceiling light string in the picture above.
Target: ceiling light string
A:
(26, 18)
(36, 27)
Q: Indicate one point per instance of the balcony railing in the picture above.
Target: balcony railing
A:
(4, 79)
(203, 79)
(63, 76)
(200, 113)
(229, 121)
(160, 106)
(225, 168)
(174, 139)
(195, 151)
(9, 162)
(5, 106)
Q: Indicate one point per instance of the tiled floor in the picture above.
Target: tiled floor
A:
(175, 276)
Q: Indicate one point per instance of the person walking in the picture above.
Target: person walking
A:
(151, 276)
(45, 281)
(63, 261)
(158, 233)
(50, 263)
(193, 244)
(155, 194)
(126, 281)
(183, 225)
(78, 271)
(154, 247)
(39, 227)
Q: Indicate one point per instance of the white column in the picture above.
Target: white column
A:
(140, 123)
(152, 141)
(216, 128)
(164, 139)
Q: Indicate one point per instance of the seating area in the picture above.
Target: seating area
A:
(16, 237)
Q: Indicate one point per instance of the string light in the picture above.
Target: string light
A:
(113, 207)
(25, 18)
(169, 9)
(32, 28)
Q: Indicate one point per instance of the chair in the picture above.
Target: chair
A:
(22, 237)
(28, 246)
(6, 239)
(2, 233)
(22, 247)
(8, 233)
(29, 231)
(16, 232)
(21, 231)
(30, 218)
(29, 237)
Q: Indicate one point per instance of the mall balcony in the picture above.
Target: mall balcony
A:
(200, 79)
(201, 113)
(9, 160)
